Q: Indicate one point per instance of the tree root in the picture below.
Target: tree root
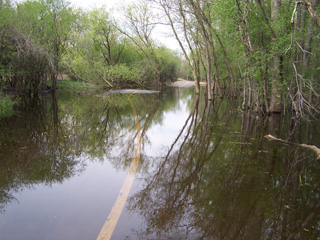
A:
(314, 148)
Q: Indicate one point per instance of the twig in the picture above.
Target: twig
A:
(303, 49)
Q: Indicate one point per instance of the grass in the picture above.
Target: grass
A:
(75, 86)
(6, 106)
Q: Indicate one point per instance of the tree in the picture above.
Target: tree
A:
(176, 17)
(56, 23)
(139, 27)
(106, 36)
(24, 60)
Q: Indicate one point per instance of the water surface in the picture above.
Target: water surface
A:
(205, 171)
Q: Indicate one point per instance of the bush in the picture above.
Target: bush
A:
(123, 75)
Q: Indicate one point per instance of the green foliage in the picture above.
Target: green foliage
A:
(169, 63)
(34, 39)
(43, 38)
(40, 39)
(124, 75)
(102, 54)
(6, 106)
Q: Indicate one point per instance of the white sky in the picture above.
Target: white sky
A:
(161, 33)
(99, 3)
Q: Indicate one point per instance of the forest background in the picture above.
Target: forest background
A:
(266, 51)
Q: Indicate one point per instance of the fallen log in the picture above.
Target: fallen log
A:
(314, 148)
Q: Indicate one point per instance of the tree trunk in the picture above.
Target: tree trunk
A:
(276, 102)
(232, 83)
(208, 70)
(54, 74)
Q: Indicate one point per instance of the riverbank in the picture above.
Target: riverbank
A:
(7, 101)
(76, 86)
(80, 87)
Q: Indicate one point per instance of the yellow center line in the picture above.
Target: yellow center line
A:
(182, 83)
(112, 220)
(185, 83)
(177, 82)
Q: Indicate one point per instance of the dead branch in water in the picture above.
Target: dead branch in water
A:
(314, 148)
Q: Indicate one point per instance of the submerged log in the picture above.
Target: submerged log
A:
(314, 148)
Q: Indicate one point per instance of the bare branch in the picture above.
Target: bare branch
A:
(303, 49)
(314, 148)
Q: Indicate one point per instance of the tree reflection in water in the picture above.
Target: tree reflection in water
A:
(220, 179)
(32, 150)
(222, 183)
(51, 141)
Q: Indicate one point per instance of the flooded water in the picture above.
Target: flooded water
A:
(198, 170)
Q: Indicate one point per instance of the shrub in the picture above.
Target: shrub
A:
(123, 75)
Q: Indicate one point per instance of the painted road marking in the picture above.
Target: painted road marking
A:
(176, 83)
(185, 83)
(112, 220)
(182, 83)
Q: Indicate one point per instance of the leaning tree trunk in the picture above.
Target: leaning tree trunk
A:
(191, 62)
